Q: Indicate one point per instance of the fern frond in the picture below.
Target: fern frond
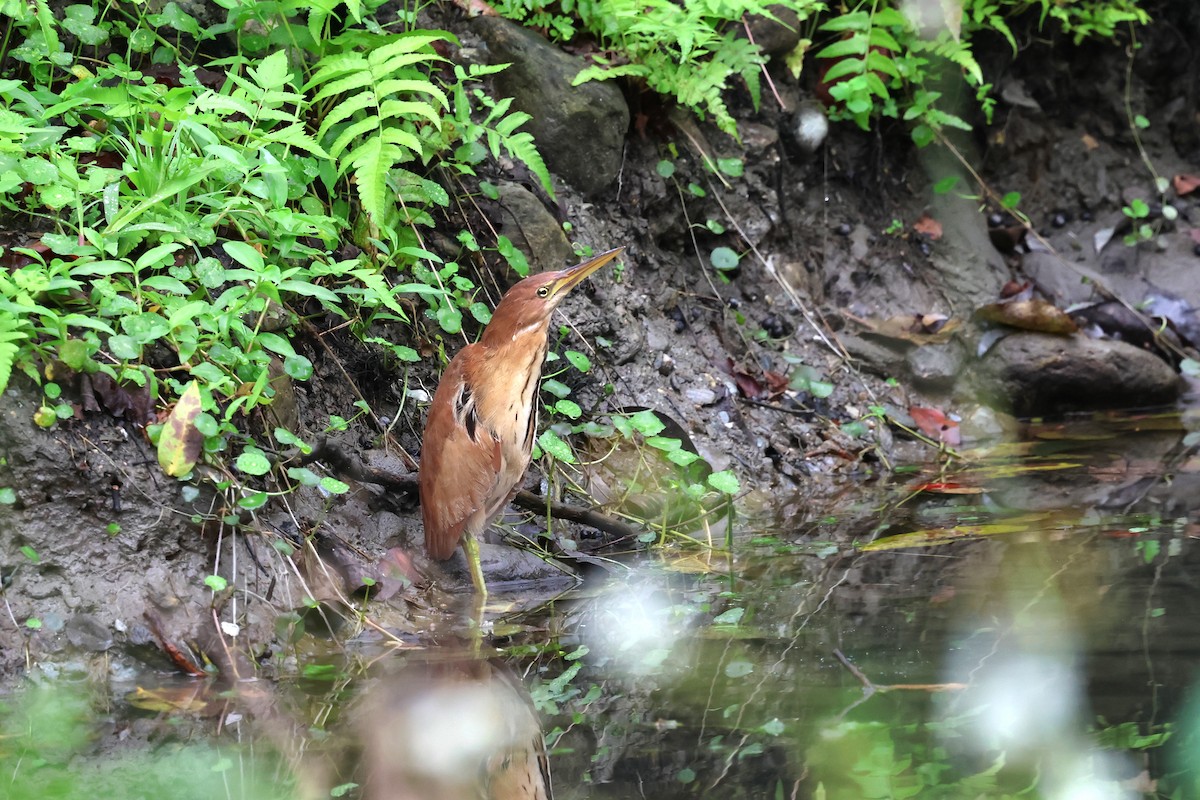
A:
(521, 147)
(384, 95)
(11, 332)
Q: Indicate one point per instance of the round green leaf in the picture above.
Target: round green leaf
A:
(731, 617)
(253, 501)
(334, 486)
(298, 367)
(738, 669)
(450, 318)
(304, 476)
(124, 347)
(216, 583)
(555, 447)
(578, 360)
(723, 258)
(556, 388)
(253, 462)
(724, 481)
(569, 409)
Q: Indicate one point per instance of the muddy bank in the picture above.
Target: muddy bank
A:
(116, 556)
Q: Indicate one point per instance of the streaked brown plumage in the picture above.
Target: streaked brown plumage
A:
(483, 418)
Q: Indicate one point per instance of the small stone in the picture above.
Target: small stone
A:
(701, 396)
(844, 229)
(88, 633)
(1058, 220)
(776, 326)
(995, 220)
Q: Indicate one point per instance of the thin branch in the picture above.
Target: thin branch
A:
(340, 462)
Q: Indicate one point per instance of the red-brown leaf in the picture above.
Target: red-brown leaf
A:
(1185, 183)
(928, 226)
(936, 425)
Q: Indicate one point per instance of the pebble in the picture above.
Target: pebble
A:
(1058, 220)
(844, 229)
(701, 396)
(776, 326)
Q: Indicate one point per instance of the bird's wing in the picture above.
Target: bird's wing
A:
(460, 463)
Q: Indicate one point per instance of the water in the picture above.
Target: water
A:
(1031, 634)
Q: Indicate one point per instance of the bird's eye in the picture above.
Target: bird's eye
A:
(543, 291)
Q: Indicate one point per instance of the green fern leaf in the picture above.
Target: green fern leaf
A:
(393, 86)
(393, 109)
(522, 148)
(348, 108)
(10, 333)
(371, 161)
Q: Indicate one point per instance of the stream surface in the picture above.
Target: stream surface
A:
(1021, 623)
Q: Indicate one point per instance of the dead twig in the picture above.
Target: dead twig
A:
(342, 463)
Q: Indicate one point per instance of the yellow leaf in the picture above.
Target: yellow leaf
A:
(179, 443)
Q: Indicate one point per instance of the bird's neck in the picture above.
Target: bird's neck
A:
(506, 382)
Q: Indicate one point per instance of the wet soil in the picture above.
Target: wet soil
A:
(121, 559)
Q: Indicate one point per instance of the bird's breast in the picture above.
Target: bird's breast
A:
(506, 397)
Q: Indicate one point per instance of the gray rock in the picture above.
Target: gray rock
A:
(88, 633)
(1063, 284)
(935, 367)
(506, 567)
(1037, 373)
(580, 130)
(533, 229)
(775, 37)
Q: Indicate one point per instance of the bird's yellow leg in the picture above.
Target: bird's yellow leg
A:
(471, 549)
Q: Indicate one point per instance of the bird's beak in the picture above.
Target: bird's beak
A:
(578, 274)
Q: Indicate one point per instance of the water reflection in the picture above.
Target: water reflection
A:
(1044, 657)
(1035, 641)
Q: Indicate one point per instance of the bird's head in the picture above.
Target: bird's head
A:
(529, 303)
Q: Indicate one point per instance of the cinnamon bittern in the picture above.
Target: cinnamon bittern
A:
(483, 420)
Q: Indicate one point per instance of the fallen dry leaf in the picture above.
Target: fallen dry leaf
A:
(769, 386)
(1029, 315)
(949, 488)
(1185, 184)
(915, 328)
(1020, 291)
(928, 226)
(1089, 141)
(936, 425)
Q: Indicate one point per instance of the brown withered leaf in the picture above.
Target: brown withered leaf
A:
(1089, 142)
(948, 487)
(1028, 315)
(1185, 183)
(1014, 290)
(766, 386)
(928, 226)
(130, 402)
(915, 328)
